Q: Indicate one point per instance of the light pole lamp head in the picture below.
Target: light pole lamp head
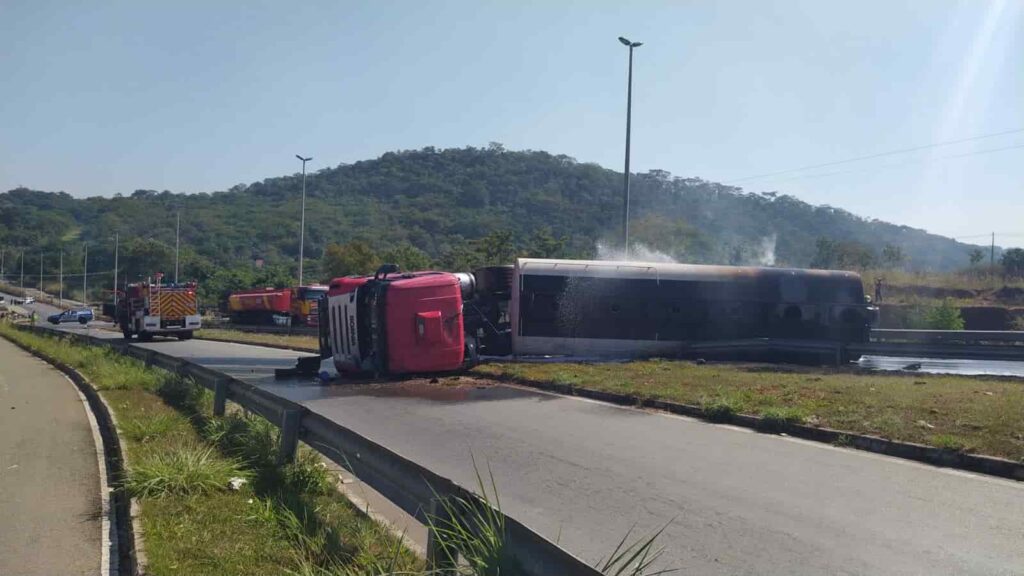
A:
(303, 159)
(626, 42)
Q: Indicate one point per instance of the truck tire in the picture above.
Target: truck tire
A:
(126, 332)
(145, 337)
(184, 335)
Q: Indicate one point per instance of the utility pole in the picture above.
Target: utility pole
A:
(2, 253)
(115, 270)
(992, 255)
(177, 236)
(629, 114)
(60, 291)
(40, 274)
(302, 225)
(22, 272)
(85, 278)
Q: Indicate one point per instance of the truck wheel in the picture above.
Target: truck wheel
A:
(126, 332)
(145, 337)
(185, 335)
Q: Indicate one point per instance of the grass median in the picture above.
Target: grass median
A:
(298, 341)
(973, 414)
(182, 463)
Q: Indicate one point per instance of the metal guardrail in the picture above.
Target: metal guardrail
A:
(412, 487)
(949, 344)
(948, 336)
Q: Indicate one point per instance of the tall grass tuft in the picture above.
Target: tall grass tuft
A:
(182, 470)
(636, 559)
(148, 427)
(470, 531)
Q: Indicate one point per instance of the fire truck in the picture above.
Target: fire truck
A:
(297, 305)
(149, 309)
(424, 322)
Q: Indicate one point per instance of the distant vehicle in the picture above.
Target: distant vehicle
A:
(297, 306)
(28, 300)
(1, 299)
(166, 309)
(83, 316)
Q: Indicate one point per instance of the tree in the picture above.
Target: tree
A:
(838, 254)
(1013, 262)
(976, 255)
(543, 244)
(892, 256)
(353, 258)
(408, 257)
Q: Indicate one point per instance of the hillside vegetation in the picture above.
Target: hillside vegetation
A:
(451, 208)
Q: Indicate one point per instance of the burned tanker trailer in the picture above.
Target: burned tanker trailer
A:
(425, 322)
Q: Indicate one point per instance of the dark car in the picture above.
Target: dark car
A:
(83, 316)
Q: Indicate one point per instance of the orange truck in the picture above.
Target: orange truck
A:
(148, 309)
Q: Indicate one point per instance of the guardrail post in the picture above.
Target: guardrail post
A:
(290, 421)
(220, 396)
(438, 561)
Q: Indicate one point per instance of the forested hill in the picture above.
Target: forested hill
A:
(437, 200)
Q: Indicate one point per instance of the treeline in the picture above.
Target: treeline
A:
(453, 208)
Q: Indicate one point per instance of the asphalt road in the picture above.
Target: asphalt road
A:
(736, 502)
(49, 476)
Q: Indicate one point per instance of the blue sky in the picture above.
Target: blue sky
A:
(199, 96)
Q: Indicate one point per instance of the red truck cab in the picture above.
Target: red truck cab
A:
(396, 323)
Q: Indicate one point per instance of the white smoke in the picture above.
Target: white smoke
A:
(637, 253)
(765, 255)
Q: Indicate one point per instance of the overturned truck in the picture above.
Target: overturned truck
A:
(426, 322)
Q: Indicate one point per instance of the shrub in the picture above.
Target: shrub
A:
(182, 470)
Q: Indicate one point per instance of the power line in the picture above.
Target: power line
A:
(902, 164)
(878, 155)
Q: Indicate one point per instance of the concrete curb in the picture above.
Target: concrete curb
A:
(130, 559)
(989, 465)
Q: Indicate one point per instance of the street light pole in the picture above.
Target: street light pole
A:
(23, 272)
(115, 270)
(85, 278)
(177, 236)
(629, 114)
(302, 225)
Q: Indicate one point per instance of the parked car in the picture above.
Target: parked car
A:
(83, 316)
(28, 300)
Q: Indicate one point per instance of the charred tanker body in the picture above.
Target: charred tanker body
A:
(423, 322)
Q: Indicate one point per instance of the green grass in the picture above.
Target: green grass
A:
(183, 470)
(984, 414)
(304, 342)
(285, 519)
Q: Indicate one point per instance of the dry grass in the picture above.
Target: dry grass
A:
(975, 414)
